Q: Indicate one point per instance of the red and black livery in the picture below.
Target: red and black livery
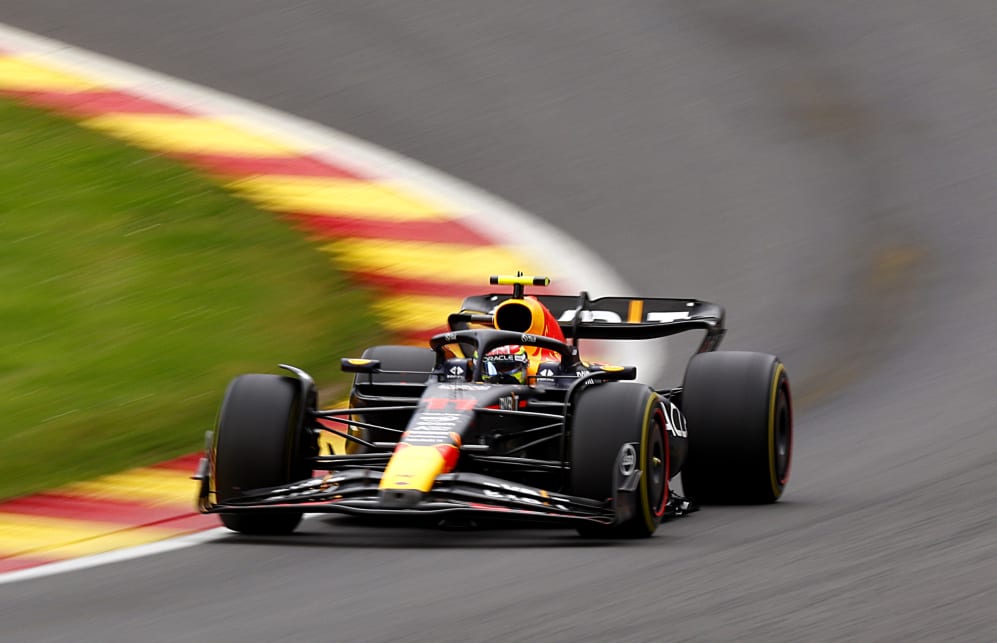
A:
(433, 433)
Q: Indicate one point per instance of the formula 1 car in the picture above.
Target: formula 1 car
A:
(501, 418)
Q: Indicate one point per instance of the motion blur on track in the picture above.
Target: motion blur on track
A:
(825, 169)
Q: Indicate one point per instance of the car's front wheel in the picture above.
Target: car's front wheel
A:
(606, 418)
(260, 441)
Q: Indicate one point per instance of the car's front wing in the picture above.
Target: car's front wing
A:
(465, 494)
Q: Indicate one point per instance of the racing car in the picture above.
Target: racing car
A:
(500, 417)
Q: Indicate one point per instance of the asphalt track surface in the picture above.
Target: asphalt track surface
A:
(824, 169)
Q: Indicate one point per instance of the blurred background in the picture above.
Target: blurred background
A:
(825, 170)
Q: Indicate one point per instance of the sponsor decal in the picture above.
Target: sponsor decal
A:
(674, 419)
(507, 403)
(667, 317)
(504, 365)
(628, 460)
(546, 376)
(509, 353)
(432, 428)
(507, 491)
(448, 404)
(610, 317)
(313, 487)
(606, 316)
(464, 387)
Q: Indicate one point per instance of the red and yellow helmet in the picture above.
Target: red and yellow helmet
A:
(506, 365)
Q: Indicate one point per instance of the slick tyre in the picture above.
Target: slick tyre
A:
(739, 416)
(605, 418)
(260, 441)
(392, 358)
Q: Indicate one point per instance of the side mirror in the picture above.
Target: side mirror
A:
(618, 372)
(359, 365)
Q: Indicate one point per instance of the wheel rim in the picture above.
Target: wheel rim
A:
(657, 470)
(783, 443)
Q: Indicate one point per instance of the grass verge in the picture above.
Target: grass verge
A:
(132, 290)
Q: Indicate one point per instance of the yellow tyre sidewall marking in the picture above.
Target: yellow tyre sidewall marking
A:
(645, 443)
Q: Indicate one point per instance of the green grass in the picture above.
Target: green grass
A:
(132, 291)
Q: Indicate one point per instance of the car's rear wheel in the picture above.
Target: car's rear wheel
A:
(417, 361)
(607, 417)
(261, 441)
(739, 415)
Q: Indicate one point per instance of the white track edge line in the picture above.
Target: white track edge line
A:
(117, 555)
(491, 215)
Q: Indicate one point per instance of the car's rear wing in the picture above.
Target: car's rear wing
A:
(612, 317)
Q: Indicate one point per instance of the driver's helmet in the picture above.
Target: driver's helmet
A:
(506, 365)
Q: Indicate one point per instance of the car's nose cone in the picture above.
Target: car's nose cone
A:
(400, 498)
